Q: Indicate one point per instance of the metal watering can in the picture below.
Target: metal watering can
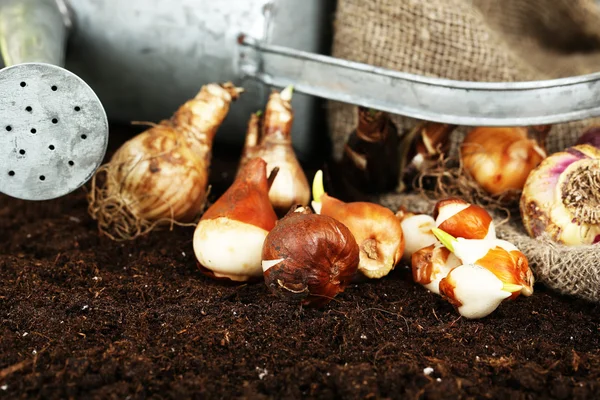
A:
(143, 58)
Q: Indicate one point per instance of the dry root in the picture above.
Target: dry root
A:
(114, 213)
(448, 178)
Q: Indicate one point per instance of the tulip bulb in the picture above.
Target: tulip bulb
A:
(561, 197)
(498, 256)
(432, 264)
(376, 229)
(309, 258)
(475, 291)
(229, 238)
(417, 232)
(161, 175)
(500, 159)
(462, 219)
(269, 137)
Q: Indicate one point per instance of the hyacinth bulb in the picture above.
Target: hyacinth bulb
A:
(561, 198)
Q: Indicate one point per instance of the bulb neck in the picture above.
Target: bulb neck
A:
(372, 125)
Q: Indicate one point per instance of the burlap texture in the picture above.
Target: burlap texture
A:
(480, 40)
(473, 40)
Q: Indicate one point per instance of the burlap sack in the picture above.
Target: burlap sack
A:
(481, 40)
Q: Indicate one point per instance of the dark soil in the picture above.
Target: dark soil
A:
(84, 317)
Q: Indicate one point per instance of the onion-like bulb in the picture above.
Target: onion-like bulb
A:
(561, 197)
(270, 139)
(500, 159)
(500, 257)
(160, 176)
(377, 230)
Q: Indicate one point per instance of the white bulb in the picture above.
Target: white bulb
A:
(230, 248)
(477, 289)
(472, 250)
(417, 234)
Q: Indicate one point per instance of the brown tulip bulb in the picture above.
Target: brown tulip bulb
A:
(309, 258)
(376, 229)
(229, 238)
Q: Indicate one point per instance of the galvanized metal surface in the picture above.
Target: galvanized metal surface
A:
(53, 128)
(441, 100)
(144, 58)
(155, 56)
(33, 31)
(53, 133)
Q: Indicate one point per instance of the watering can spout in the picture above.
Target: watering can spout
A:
(34, 31)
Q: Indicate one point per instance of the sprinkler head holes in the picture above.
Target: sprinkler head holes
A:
(53, 131)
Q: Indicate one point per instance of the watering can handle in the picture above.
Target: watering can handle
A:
(432, 99)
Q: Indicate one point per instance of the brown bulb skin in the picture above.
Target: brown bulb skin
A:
(370, 162)
(500, 159)
(247, 199)
(471, 223)
(319, 258)
(376, 229)
(229, 238)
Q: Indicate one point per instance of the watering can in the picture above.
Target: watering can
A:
(143, 58)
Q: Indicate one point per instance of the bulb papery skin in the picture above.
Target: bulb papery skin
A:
(376, 229)
(309, 258)
(229, 249)
(417, 233)
(229, 238)
(463, 220)
(500, 159)
(271, 140)
(500, 257)
(171, 185)
(561, 197)
(432, 264)
(473, 290)
(160, 176)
